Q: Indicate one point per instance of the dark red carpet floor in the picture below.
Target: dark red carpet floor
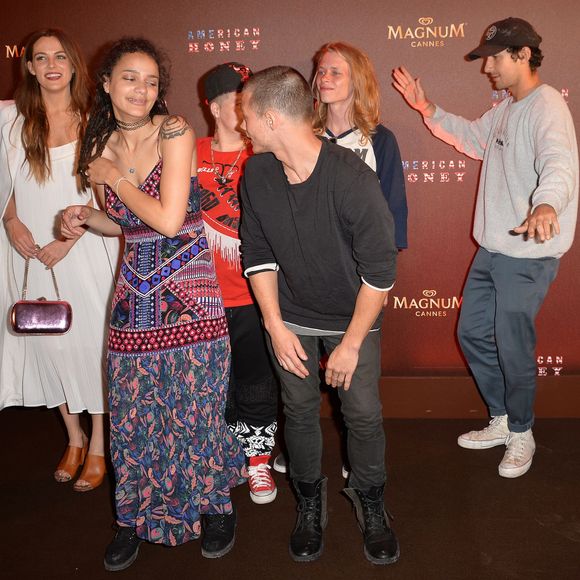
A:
(454, 516)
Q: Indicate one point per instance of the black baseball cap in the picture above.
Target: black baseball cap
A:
(503, 34)
(225, 78)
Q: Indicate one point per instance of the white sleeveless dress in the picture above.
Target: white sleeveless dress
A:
(51, 370)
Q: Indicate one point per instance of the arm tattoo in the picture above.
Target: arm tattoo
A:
(173, 126)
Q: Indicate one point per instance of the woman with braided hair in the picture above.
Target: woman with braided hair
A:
(169, 355)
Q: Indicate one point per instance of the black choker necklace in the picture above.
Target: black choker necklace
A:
(133, 126)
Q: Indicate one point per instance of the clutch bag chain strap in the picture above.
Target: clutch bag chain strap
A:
(25, 283)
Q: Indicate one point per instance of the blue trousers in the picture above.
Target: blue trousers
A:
(497, 334)
(361, 408)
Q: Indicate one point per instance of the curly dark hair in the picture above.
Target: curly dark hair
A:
(535, 60)
(102, 121)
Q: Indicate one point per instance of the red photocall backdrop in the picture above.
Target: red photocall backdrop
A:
(430, 38)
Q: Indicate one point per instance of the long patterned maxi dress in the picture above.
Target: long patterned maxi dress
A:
(168, 369)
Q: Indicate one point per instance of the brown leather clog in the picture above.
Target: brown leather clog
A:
(92, 474)
(72, 459)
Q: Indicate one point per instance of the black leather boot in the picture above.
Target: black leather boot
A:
(219, 534)
(380, 543)
(123, 550)
(306, 542)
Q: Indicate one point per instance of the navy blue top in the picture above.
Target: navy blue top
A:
(382, 154)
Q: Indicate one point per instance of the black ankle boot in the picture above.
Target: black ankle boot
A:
(306, 542)
(219, 534)
(123, 550)
(380, 542)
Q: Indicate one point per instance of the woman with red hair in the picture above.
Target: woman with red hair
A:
(347, 112)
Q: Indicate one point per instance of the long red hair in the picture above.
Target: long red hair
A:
(365, 109)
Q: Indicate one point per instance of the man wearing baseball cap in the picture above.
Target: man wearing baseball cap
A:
(524, 222)
(253, 390)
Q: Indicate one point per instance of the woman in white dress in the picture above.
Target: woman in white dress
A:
(38, 150)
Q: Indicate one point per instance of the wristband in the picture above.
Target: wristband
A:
(116, 185)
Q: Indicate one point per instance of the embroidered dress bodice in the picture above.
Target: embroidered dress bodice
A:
(167, 294)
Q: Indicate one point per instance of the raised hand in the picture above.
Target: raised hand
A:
(412, 91)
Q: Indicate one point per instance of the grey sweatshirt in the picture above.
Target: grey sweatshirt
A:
(530, 157)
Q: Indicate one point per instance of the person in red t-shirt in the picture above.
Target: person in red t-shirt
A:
(253, 391)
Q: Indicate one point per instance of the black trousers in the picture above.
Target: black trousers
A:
(253, 388)
(361, 409)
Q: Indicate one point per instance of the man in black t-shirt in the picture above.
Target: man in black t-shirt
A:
(318, 247)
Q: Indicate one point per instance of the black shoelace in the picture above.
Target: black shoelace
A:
(309, 508)
(374, 514)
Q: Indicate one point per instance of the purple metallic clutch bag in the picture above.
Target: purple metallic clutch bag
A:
(42, 316)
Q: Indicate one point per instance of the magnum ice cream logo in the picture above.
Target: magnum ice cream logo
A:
(427, 34)
(13, 51)
(429, 304)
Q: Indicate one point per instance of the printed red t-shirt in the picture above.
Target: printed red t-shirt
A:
(220, 209)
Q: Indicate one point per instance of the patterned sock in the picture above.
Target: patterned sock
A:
(254, 440)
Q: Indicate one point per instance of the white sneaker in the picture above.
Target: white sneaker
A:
(280, 463)
(493, 435)
(519, 454)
